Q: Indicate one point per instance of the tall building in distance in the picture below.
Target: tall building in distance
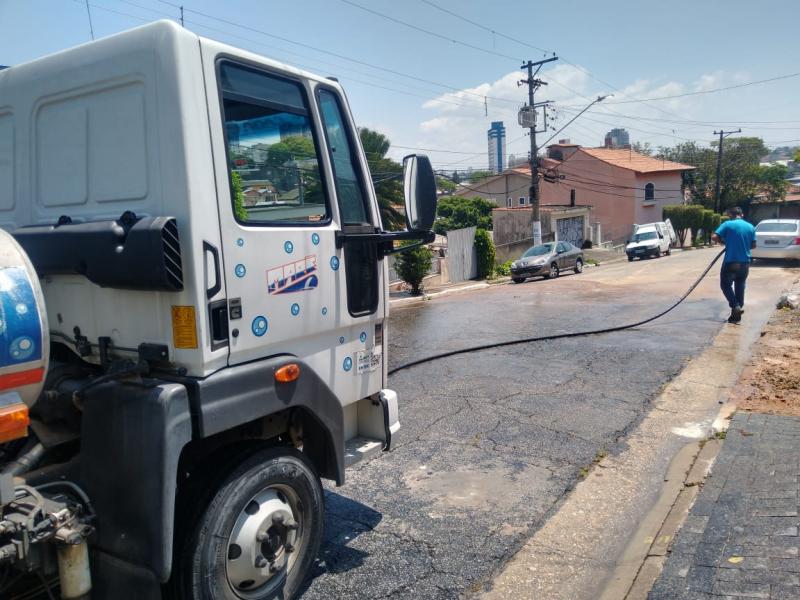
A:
(617, 138)
(497, 147)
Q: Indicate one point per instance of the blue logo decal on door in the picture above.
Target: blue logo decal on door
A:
(297, 276)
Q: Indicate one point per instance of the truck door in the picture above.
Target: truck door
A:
(289, 179)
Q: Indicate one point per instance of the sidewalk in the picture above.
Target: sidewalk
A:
(740, 539)
(741, 536)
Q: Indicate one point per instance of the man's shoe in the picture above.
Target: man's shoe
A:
(736, 315)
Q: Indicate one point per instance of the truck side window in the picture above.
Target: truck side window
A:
(349, 190)
(272, 155)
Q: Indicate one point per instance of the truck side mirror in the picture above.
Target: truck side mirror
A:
(419, 189)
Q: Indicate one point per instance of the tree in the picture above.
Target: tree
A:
(797, 155)
(772, 181)
(741, 178)
(642, 148)
(386, 177)
(476, 176)
(412, 266)
(446, 185)
(456, 212)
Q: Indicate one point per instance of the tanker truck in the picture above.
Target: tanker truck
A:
(193, 317)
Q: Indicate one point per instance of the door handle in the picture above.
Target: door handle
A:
(214, 289)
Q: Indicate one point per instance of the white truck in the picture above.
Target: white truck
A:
(651, 240)
(193, 309)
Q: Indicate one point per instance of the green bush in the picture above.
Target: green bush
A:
(412, 266)
(503, 269)
(694, 214)
(685, 218)
(715, 222)
(679, 217)
(484, 246)
(708, 224)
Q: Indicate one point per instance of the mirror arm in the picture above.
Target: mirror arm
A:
(385, 239)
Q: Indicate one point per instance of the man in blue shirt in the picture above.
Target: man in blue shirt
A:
(739, 237)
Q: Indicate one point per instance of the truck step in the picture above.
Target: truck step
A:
(358, 448)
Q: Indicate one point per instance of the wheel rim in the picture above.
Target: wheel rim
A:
(553, 271)
(265, 540)
(579, 265)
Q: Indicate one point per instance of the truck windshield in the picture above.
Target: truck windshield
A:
(272, 155)
(644, 236)
(538, 250)
(776, 227)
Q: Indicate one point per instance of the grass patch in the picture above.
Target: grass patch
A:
(720, 435)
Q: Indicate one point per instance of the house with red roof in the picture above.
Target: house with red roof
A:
(621, 187)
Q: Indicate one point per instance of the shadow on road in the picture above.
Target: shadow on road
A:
(345, 520)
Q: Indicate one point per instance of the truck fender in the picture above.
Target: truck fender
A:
(243, 393)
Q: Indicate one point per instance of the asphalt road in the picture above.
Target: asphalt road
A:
(492, 441)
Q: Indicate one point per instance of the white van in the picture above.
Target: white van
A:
(651, 239)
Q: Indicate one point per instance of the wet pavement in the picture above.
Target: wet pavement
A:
(493, 441)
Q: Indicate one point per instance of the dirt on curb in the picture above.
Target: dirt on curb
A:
(770, 383)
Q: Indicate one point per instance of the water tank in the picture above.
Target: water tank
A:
(24, 337)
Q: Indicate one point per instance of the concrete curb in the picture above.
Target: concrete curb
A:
(432, 295)
(641, 564)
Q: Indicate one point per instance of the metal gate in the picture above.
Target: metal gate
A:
(462, 260)
(570, 229)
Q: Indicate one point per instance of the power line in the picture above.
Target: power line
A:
(712, 91)
(427, 31)
(312, 68)
(381, 68)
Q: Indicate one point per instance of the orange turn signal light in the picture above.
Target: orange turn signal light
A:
(287, 373)
(14, 421)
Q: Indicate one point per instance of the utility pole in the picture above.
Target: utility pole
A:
(527, 118)
(722, 135)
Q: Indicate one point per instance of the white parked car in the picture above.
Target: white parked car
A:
(651, 239)
(777, 238)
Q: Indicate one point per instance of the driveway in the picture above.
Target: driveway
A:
(493, 441)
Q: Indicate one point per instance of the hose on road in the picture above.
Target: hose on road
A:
(559, 336)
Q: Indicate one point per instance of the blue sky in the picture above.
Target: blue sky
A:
(634, 49)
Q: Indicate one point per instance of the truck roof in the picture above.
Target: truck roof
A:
(164, 30)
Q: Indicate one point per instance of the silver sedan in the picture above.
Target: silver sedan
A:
(547, 260)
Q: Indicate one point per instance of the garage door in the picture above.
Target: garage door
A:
(570, 230)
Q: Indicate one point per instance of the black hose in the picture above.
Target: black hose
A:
(559, 336)
(26, 461)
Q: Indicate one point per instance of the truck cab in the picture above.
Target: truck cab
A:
(201, 227)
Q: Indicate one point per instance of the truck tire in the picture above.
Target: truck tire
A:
(268, 511)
